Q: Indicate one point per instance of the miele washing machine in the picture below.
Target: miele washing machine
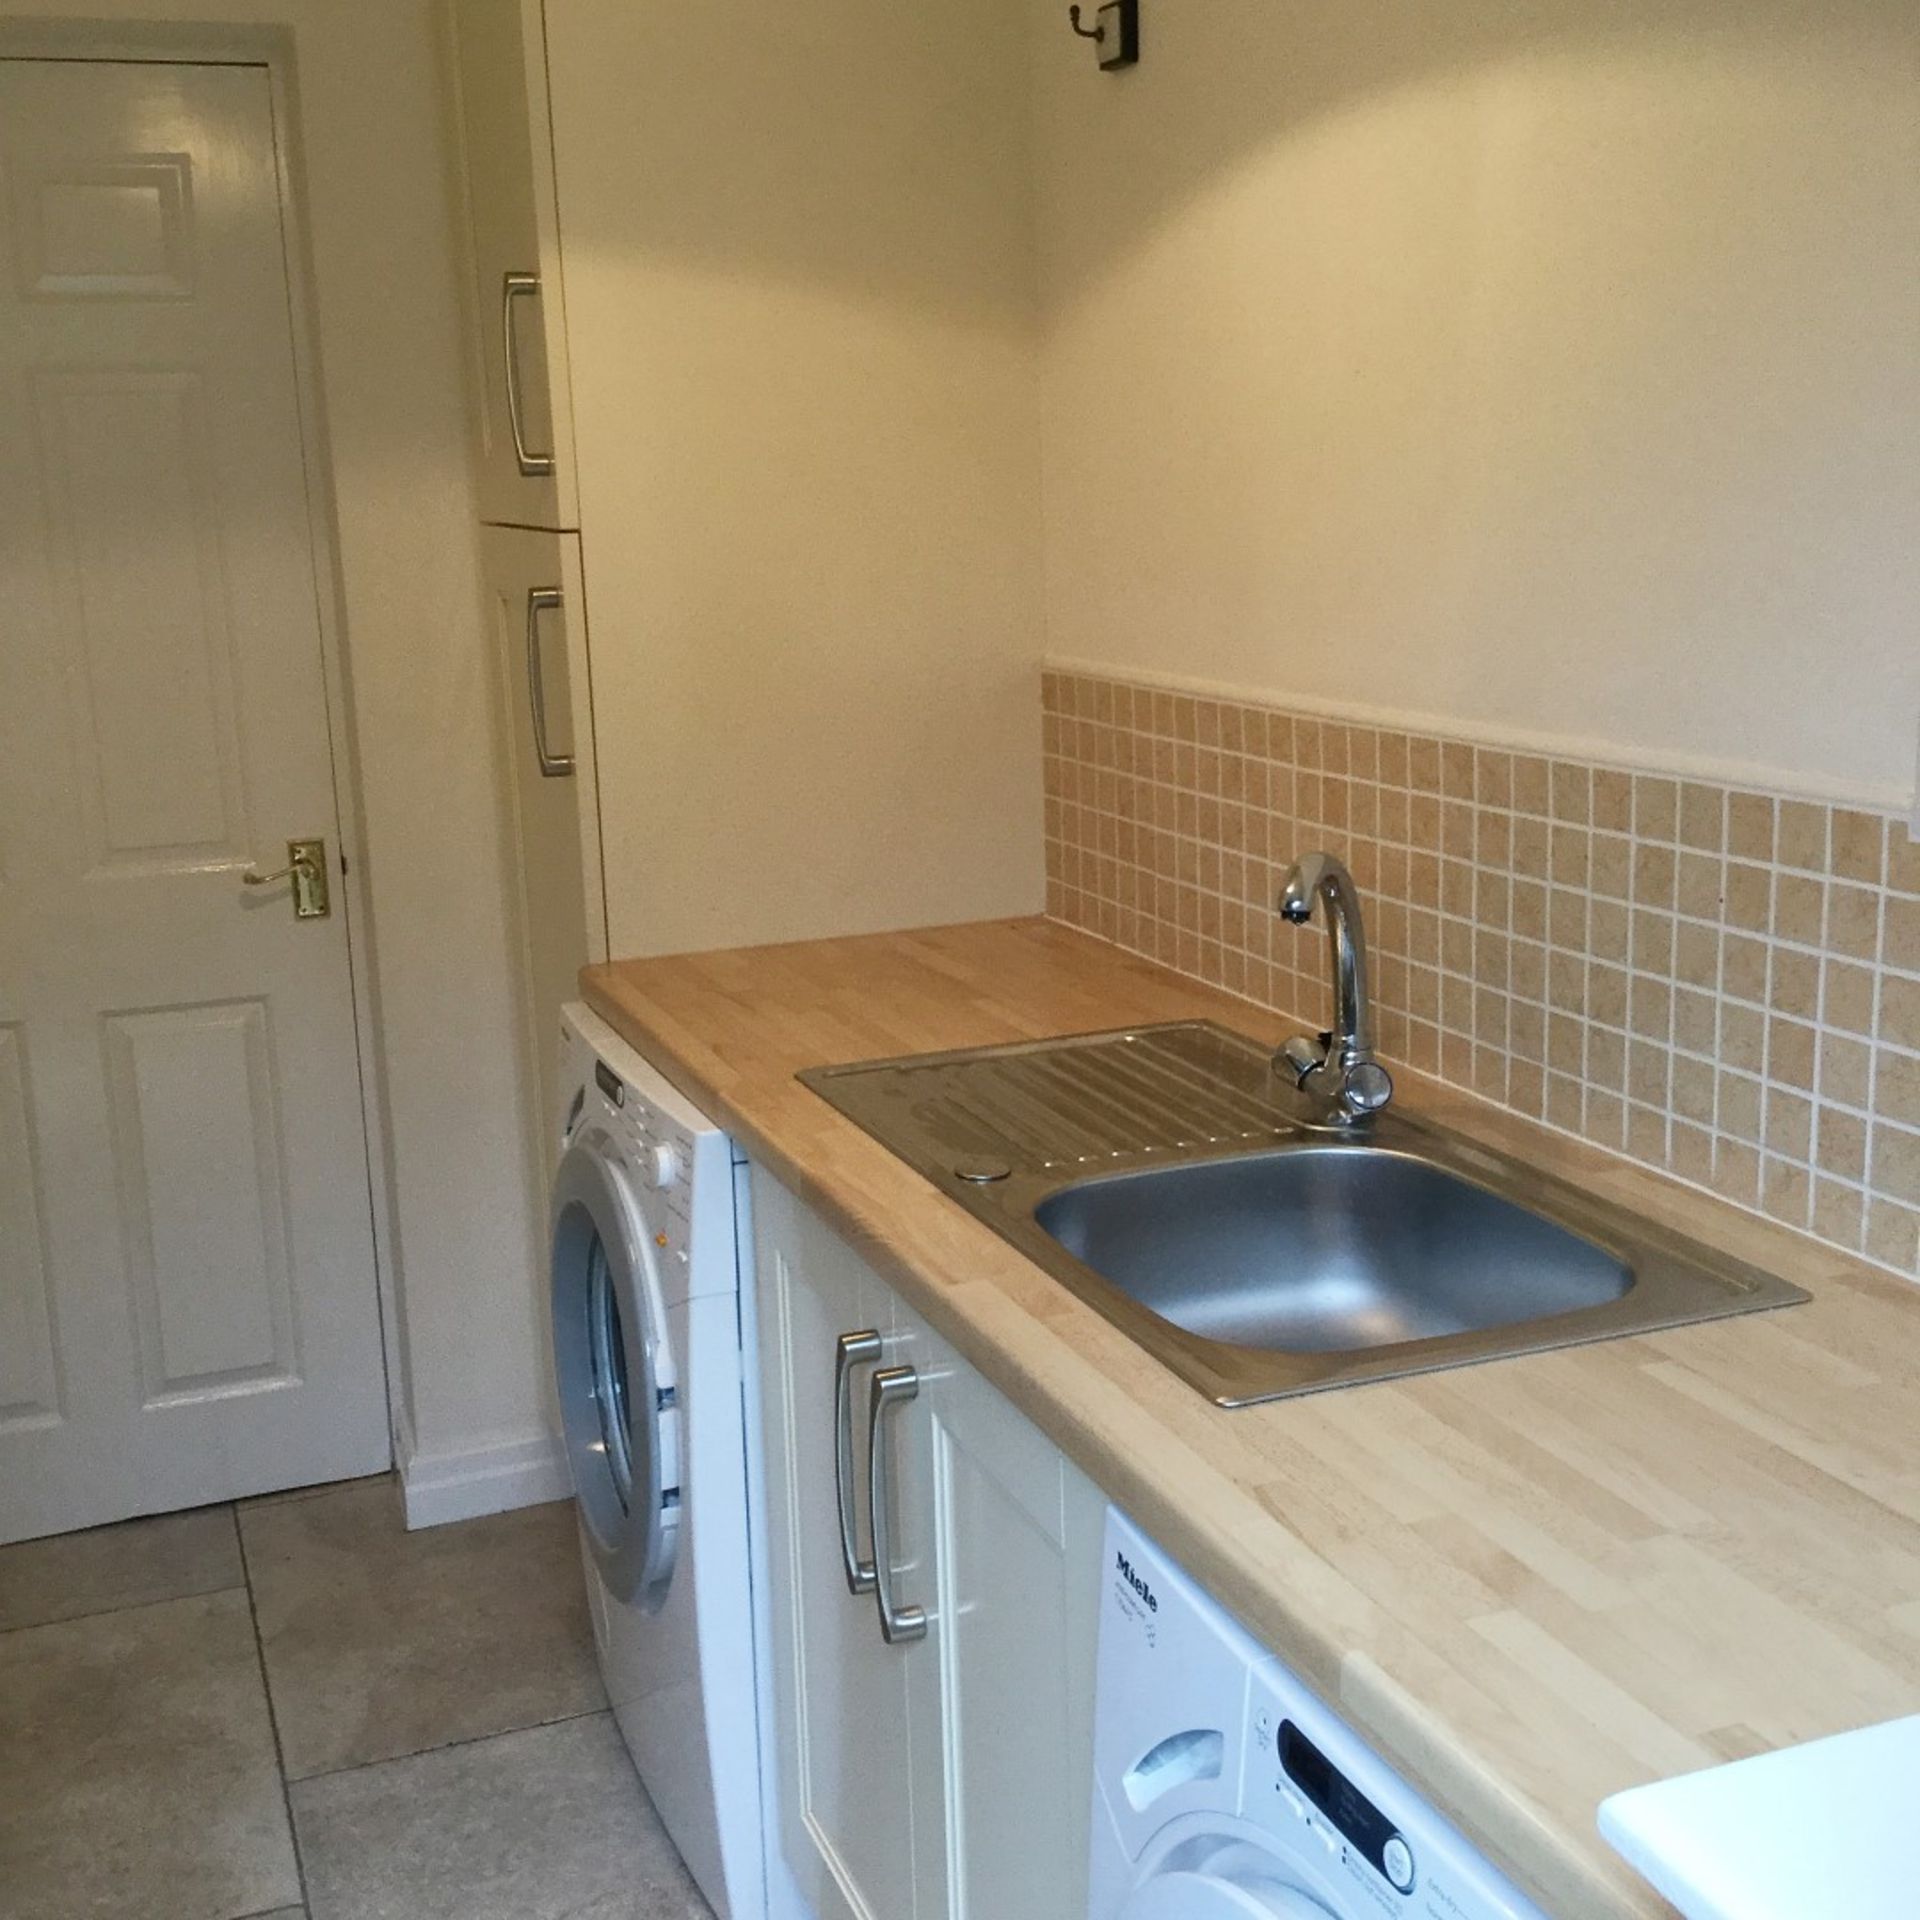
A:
(648, 1336)
(1224, 1790)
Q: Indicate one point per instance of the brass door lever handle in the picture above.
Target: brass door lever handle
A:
(307, 868)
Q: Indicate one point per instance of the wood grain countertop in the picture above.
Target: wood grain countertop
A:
(1527, 1583)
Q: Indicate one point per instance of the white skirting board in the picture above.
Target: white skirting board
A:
(439, 1487)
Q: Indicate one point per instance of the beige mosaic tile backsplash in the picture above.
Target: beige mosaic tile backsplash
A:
(1718, 982)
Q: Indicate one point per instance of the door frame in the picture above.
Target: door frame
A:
(272, 48)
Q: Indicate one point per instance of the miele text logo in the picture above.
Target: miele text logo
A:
(1133, 1580)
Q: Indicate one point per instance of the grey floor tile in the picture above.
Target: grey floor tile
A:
(138, 1768)
(130, 1565)
(546, 1824)
(381, 1642)
(325, 1487)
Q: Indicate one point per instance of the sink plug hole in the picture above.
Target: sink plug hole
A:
(981, 1173)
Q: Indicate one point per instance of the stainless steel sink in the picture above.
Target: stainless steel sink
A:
(1174, 1181)
(1327, 1249)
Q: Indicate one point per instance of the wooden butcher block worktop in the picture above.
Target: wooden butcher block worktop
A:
(1528, 1583)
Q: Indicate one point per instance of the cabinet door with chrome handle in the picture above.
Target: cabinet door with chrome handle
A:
(844, 1803)
(890, 1388)
(553, 766)
(503, 133)
(850, 1350)
(515, 287)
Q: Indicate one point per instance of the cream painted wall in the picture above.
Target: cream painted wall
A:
(459, 1244)
(1542, 368)
(798, 254)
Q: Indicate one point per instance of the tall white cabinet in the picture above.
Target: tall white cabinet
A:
(945, 1773)
(532, 577)
(752, 328)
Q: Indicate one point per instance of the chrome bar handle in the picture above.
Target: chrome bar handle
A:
(890, 1387)
(850, 1350)
(553, 766)
(515, 287)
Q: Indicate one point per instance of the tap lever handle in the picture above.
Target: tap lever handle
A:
(1302, 1058)
(1368, 1088)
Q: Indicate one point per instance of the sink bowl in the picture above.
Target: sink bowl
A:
(1170, 1178)
(1327, 1249)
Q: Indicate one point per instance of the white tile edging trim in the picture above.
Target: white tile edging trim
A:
(438, 1488)
(1872, 796)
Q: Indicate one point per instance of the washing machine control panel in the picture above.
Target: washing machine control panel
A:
(1341, 1803)
(660, 1152)
(1219, 1772)
(673, 1166)
(1324, 1794)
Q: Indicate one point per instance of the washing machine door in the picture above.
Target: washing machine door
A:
(615, 1370)
(1206, 1896)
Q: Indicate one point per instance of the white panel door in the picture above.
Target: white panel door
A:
(841, 1695)
(188, 1307)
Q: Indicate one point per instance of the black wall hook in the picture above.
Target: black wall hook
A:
(1116, 31)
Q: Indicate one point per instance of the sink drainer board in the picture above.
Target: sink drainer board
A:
(1169, 1177)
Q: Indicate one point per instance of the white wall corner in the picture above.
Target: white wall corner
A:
(438, 1487)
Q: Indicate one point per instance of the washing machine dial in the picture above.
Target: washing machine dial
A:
(664, 1164)
(1396, 1861)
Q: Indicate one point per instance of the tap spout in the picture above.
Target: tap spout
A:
(1321, 877)
(1341, 1070)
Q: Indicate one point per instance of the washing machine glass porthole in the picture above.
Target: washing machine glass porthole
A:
(613, 1365)
(606, 1341)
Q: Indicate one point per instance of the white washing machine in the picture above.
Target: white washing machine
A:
(648, 1356)
(1224, 1790)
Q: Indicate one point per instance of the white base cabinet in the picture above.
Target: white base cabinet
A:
(841, 1698)
(948, 1775)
